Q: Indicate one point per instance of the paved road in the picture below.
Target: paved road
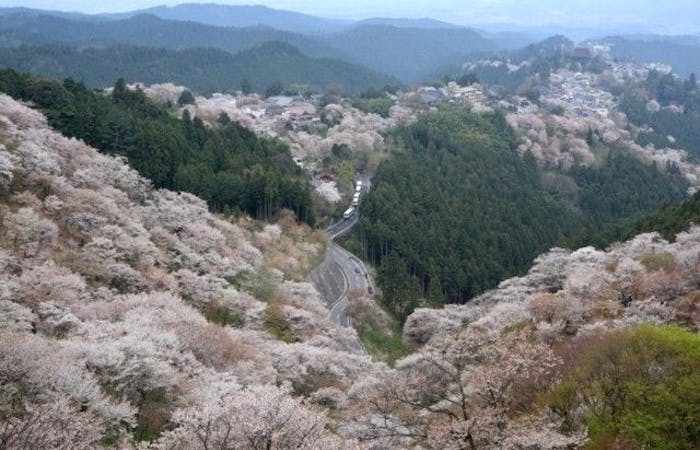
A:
(354, 279)
(339, 273)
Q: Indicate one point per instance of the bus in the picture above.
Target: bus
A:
(348, 213)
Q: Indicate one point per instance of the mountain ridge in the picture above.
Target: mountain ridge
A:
(405, 53)
(238, 16)
(147, 30)
(680, 52)
(201, 69)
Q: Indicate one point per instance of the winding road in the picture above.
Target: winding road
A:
(341, 272)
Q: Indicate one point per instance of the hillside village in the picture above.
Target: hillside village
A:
(554, 129)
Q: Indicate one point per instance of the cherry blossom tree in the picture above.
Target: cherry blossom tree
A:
(464, 393)
(7, 167)
(32, 233)
(46, 283)
(15, 317)
(56, 425)
(258, 417)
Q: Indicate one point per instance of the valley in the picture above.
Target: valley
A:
(239, 227)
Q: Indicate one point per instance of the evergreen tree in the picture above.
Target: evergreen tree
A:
(245, 86)
(229, 166)
(274, 89)
(186, 98)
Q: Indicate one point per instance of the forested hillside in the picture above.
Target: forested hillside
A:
(279, 62)
(201, 69)
(670, 107)
(146, 30)
(525, 69)
(133, 318)
(622, 187)
(578, 337)
(163, 285)
(408, 54)
(457, 209)
(671, 219)
(681, 54)
(239, 16)
(229, 166)
(128, 311)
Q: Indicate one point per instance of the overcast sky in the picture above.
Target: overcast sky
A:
(661, 15)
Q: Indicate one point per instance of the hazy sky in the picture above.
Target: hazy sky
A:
(669, 15)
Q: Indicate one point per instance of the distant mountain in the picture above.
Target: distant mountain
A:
(558, 44)
(277, 61)
(508, 70)
(201, 69)
(146, 30)
(681, 39)
(29, 12)
(509, 40)
(679, 52)
(575, 32)
(241, 16)
(426, 23)
(409, 54)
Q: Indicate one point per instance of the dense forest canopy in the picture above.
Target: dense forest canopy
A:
(201, 69)
(457, 209)
(229, 166)
(671, 219)
(622, 187)
(676, 113)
